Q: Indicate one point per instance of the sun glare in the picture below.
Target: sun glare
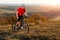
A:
(55, 3)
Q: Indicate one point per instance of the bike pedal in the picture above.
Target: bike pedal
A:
(21, 27)
(16, 27)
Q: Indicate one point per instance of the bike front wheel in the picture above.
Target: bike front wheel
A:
(26, 28)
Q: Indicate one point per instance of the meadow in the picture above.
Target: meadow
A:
(41, 27)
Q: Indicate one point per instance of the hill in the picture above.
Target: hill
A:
(40, 29)
(41, 24)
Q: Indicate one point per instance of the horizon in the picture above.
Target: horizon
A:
(37, 7)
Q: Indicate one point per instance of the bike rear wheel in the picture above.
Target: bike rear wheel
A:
(14, 29)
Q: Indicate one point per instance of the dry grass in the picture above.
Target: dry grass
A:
(39, 26)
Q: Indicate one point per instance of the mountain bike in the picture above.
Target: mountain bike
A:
(25, 26)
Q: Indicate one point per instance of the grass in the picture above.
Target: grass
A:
(43, 29)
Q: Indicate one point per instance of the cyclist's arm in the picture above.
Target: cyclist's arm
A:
(17, 14)
(26, 14)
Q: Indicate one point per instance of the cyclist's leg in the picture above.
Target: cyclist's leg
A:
(18, 22)
(21, 21)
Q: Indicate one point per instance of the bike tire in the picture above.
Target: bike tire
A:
(13, 27)
(26, 28)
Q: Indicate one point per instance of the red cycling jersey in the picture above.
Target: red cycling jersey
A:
(21, 11)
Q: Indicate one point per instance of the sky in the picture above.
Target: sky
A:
(44, 2)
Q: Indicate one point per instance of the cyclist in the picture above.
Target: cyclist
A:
(19, 14)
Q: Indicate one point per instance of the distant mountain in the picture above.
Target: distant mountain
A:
(47, 11)
(9, 4)
(51, 13)
(48, 14)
